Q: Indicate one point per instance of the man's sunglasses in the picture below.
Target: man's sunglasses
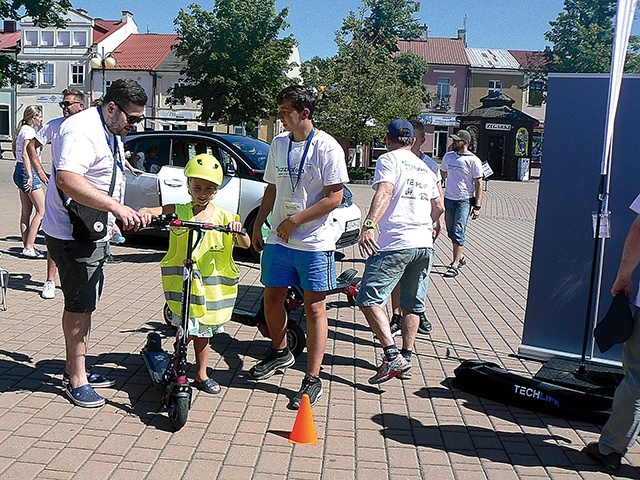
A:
(131, 119)
(67, 104)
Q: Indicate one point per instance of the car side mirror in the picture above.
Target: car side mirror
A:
(230, 169)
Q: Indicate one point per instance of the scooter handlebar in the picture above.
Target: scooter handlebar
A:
(164, 222)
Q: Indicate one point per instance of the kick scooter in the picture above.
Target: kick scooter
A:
(168, 371)
(296, 338)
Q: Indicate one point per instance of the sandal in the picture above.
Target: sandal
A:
(208, 386)
(451, 271)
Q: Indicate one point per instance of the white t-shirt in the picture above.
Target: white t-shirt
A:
(50, 134)
(85, 149)
(432, 164)
(407, 221)
(324, 165)
(635, 207)
(27, 132)
(461, 170)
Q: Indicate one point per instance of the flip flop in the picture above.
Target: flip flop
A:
(208, 386)
(451, 271)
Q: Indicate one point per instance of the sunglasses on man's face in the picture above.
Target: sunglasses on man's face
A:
(67, 104)
(131, 119)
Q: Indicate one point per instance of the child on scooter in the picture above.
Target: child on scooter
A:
(215, 280)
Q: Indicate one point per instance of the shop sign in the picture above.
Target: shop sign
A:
(498, 126)
(48, 98)
(442, 120)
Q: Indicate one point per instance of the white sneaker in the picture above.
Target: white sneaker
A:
(33, 253)
(49, 290)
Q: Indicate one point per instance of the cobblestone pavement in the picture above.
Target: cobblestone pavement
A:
(415, 429)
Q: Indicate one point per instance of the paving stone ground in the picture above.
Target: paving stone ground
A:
(421, 428)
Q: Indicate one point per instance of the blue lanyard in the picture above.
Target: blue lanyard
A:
(304, 156)
(114, 148)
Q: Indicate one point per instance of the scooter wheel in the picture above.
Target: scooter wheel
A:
(167, 314)
(154, 342)
(178, 412)
(296, 339)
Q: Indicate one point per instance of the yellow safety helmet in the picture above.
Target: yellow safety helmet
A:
(206, 167)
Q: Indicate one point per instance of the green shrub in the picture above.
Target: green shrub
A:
(360, 173)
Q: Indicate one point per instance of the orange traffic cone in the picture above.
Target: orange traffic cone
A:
(304, 431)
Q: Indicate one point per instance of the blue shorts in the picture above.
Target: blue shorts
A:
(283, 267)
(456, 216)
(384, 270)
(20, 178)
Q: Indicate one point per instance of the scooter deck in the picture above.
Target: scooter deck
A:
(157, 363)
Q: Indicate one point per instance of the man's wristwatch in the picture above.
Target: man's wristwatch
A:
(477, 207)
(369, 224)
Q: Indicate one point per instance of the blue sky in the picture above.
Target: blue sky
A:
(500, 24)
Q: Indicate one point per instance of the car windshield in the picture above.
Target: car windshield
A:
(256, 151)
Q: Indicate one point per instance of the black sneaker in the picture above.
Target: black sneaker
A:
(271, 364)
(462, 263)
(424, 325)
(396, 325)
(609, 463)
(312, 387)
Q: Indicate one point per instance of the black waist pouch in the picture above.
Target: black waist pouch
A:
(88, 224)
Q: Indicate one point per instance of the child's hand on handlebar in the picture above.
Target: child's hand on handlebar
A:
(235, 227)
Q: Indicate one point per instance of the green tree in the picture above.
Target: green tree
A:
(582, 38)
(368, 83)
(235, 64)
(44, 13)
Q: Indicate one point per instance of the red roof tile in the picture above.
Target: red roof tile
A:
(529, 58)
(435, 50)
(103, 28)
(144, 51)
(9, 40)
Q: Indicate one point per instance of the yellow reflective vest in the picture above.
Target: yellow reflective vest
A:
(215, 275)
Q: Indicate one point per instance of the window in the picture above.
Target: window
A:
(47, 38)
(31, 38)
(47, 74)
(77, 74)
(80, 39)
(536, 93)
(64, 39)
(495, 86)
(443, 94)
(32, 80)
(4, 120)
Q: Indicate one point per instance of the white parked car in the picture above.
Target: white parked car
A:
(163, 155)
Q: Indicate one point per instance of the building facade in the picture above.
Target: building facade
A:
(446, 81)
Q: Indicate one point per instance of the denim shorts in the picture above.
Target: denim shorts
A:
(81, 270)
(384, 270)
(456, 216)
(20, 178)
(283, 267)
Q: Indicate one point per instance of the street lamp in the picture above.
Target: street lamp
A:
(102, 60)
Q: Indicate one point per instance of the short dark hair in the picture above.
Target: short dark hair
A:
(126, 91)
(73, 91)
(301, 97)
(418, 126)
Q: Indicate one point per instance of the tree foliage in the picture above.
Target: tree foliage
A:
(368, 84)
(44, 13)
(235, 64)
(582, 38)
